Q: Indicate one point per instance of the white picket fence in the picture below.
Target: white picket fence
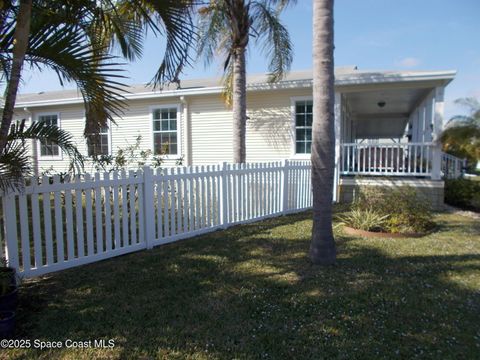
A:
(57, 225)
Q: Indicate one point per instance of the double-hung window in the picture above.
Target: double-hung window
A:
(303, 126)
(98, 144)
(47, 147)
(165, 130)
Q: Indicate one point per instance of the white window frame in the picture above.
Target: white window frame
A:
(293, 101)
(109, 137)
(179, 130)
(39, 147)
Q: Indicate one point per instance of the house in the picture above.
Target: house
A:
(386, 125)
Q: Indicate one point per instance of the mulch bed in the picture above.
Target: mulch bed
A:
(356, 232)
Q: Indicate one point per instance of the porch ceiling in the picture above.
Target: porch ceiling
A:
(389, 121)
(397, 101)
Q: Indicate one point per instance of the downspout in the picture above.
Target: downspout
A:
(33, 144)
(187, 133)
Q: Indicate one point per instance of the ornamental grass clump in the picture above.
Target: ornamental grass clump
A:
(367, 220)
(391, 210)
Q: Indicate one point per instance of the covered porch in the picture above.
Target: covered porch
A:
(387, 127)
(390, 125)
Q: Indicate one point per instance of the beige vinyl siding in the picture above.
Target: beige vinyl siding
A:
(269, 127)
(71, 119)
(270, 124)
(135, 121)
(211, 130)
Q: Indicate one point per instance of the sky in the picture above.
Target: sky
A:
(371, 34)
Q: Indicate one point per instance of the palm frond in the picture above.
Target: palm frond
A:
(273, 35)
(14, 165)
(51, 133)
(470, 103)
(65, 51)
(60, 41)
(280, 4)
(227, 92)
(172, 19)
(221, 25)
(213, 33)
(113, 25)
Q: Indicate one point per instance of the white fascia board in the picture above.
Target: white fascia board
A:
(374, 78)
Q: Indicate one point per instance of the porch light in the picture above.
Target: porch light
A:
(381, 104)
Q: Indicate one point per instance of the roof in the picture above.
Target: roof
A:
(296, 79)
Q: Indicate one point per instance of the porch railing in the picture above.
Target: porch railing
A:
(402, 159)
(452, 166)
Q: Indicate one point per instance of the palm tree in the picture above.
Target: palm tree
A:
(18, 45)
(225, 27)
(461, 136)
(322, 248)
(74, 39)
(43, 34)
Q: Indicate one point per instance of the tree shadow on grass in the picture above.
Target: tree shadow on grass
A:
(458, 223)
(251, 292)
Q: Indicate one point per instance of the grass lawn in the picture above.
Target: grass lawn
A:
(251, 293)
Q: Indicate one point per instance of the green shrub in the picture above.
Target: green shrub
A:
(463, 193)
(402, 209)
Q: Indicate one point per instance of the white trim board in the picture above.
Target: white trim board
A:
(393, 182)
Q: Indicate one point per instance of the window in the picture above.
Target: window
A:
(47, 147)
(165, 136)
(303, 126)
(97, 144)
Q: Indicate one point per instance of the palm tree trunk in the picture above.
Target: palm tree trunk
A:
(22, 30)
(322, 248)
(239, 100)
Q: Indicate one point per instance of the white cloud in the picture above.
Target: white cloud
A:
(408, 62)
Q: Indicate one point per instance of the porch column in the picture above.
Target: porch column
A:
(436, 132)
(338, 122)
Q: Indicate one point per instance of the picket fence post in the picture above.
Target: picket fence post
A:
(149, 209)
(11, 240)
(224, 196)
(284, 186)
